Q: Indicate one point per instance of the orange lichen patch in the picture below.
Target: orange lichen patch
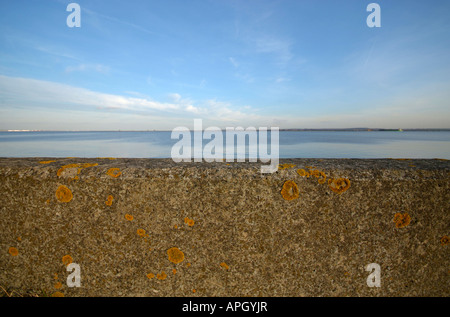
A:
(224, 265)
(161, 276)
(13, 251)
(175, 226)
(174, 271)
(290, 190)
(129, 217)
(109, 201)
(285, 166)
(315, 173)
(445, 240)
(58, 285)
(175, 255)
(55, 276)
(189, 222)
(411, 165)
(402, 159)
(193, 291)
(67, 259)
(46, 162)
(302, 172)
(141, 232)
(323, 179)
(107, 158)
(80, 166)
(339, 185)
(114, 172)
(150, 276)
(402, 220)
(57, 294)
(63, 194)
(47, 201)
(19, 239)
(188, 264)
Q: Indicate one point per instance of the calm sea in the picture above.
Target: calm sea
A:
(300, 144)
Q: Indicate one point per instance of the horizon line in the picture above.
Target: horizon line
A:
(283, 129)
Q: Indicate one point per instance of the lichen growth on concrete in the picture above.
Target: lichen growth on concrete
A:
(13, 251)
(189, 222)
(402, 220)
(129, 217)
(64, 194)
(114, 172)
(445, 240)
(290, 190)
(175, 255)
(339, 185)
(67, 259)
(109, 200)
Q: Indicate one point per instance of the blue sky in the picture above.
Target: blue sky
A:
(138, 65)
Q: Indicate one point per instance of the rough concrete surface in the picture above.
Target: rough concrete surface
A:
(152, 227)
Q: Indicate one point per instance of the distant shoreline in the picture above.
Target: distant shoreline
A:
(299, 130)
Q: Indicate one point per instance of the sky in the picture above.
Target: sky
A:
(158, 65)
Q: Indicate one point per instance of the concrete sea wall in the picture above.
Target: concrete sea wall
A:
(152, 227)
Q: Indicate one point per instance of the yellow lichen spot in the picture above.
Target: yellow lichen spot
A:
(63, 194)
(339, 185)
(224, 265)
(445, 240)
(189, 222)
(174, 271)
(150, 276)
(114, 172)
(13, 251)
(285, 166)
(302, 172)
(175, 255)
(80, 166)
(67, 259)
(46, 162)
(323, 179)
(109, 201)
(57, 294)
(19, 239)
(58, 285)
(188, 264)
(175, 226)
(47, 201)
(402, 220)
(55, 276)
(193, 291)
(141, 232)
(315, 173)
(290, 190)
(161, 276)
(129, 217)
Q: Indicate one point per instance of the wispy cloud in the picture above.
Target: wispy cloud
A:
(99, 68)
(233, 62)
(117, 20)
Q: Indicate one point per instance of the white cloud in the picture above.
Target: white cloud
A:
(37, 96)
